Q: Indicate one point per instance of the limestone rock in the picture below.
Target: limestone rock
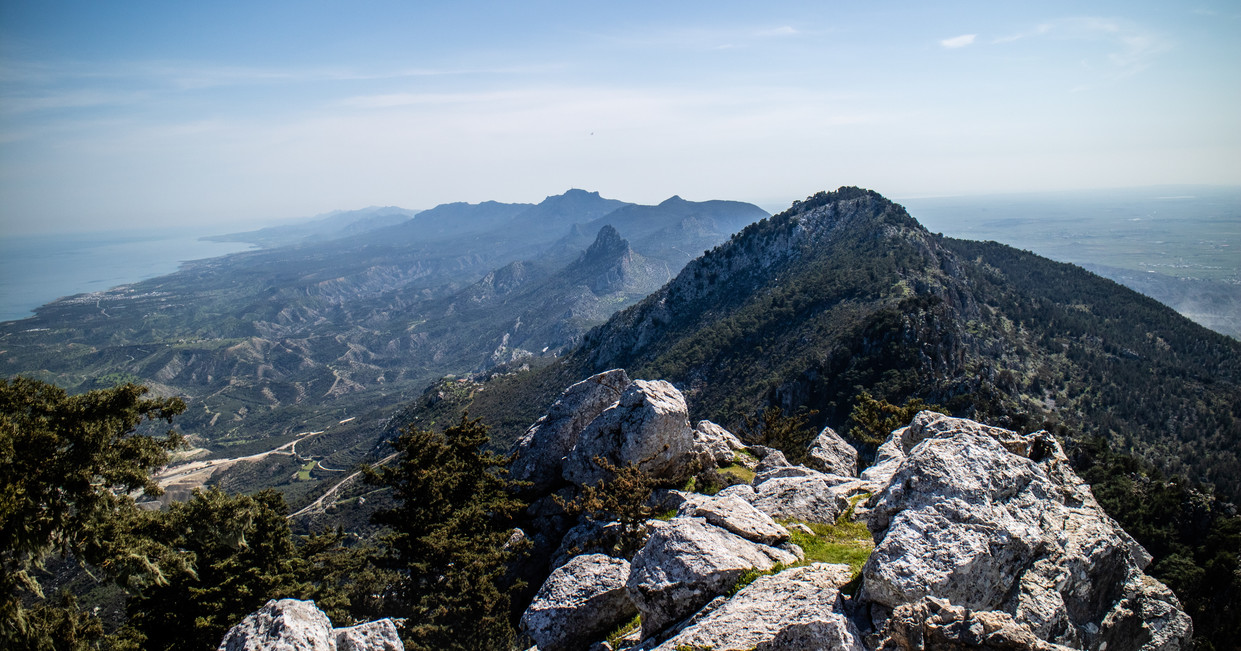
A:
(799, 608)
(807, 496)
(379, 635)
(282, 625)
(888, 458)
(579, 603)
(295, 625)
(649, 427)
(715, 443)
(688, 563)
(743, 491)
(543, 446)
(738, 516)
(932, 623)
(771, 460)
(990, 520)
(832, 454)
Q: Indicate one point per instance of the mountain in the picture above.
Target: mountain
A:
(339, 223)
(331, 336)
(845, 292)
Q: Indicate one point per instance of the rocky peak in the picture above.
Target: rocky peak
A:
(608, 245)
(985, 538)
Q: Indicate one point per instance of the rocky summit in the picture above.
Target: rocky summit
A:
(984, 539)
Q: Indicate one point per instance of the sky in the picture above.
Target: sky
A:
(220, 114)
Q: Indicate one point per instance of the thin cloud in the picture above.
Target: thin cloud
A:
(958, 41)
(779, 31)
(1131, 48)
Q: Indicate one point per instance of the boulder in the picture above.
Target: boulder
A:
(715, 443)
(686, 564)
(380, 635)
(799, 608)
(541, 449)
(579, 603)
(807, 496)
(888, 458)
(832, 455)
(738, 516)
(931, 623)
(989, 520)
(282, 625)
(648, 427)
(296, 625)
(772, 460)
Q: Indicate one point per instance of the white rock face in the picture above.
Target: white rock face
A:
(295, 625)
(541, 449)
(798, 608)
(715, 443)
(688, 563)
(579, 603)
(832, 454)
(282, 625)
(738, 516)
(379, 635)
(989, 520)
(807, 496)
(649, 427)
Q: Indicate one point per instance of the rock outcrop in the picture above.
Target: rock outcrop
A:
(989, 520)
(579, 603)
(542, 448)
(687, 564)
(295, 625)
(801, 605)
(648, 427)
(985, 538)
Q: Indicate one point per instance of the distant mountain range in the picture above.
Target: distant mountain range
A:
(353, 314)
(845, 292)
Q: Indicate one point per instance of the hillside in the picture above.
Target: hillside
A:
(845, 292)
(330, 336)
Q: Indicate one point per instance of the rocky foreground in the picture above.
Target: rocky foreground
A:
(984, 539)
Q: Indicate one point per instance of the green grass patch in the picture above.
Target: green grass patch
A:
(739, 471)
(844, 542)
(304, 473)
(615, 637)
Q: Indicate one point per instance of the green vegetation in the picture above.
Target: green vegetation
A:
(67, 467)
(614, 638)
(447, 537)
(789, 434)
(1194, 537)
(623, 498)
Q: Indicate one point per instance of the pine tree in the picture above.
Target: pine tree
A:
(448, 537)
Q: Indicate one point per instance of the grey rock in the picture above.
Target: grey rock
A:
(888, 458)
(579, 603)
(805, 497)
(543, 446)
(296, 625)
(282, 625)
(738, 516)
(742, 491)
(771, 460)
(990, 520)
(714, 443)
(802, 603)
(932, 623)
(688, 563)
(648, 427)
(380, 635)
(832, 454)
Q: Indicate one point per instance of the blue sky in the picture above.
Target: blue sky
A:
(131, 114)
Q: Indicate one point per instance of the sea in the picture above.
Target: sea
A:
(38, 269)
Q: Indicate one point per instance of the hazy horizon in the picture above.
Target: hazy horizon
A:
(127, 116)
